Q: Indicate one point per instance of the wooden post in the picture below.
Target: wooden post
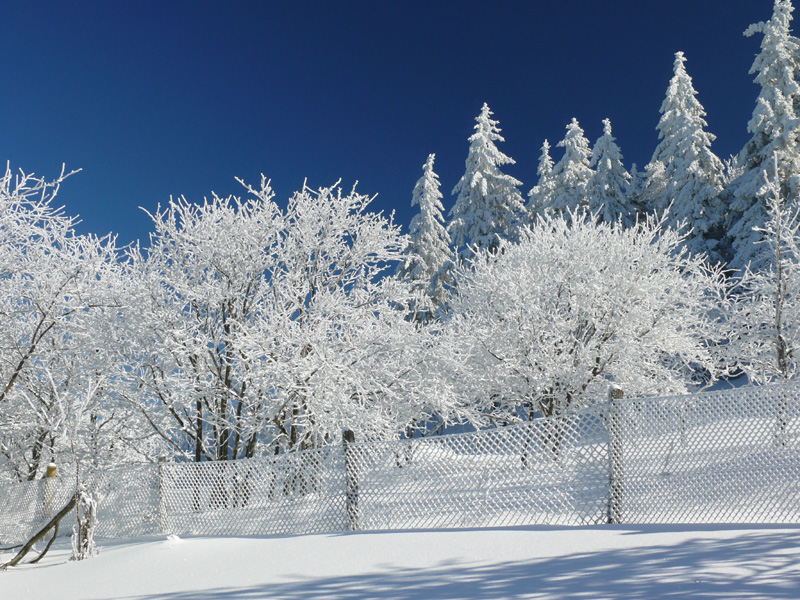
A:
(49, 489)
(351, 475)
(615, 456)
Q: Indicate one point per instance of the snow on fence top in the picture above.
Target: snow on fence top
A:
(724, 456)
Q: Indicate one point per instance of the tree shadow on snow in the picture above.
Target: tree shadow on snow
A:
(760, 565)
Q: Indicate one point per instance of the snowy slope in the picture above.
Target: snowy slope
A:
(630, 562)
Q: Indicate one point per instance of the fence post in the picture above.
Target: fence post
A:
(49, 489)
(616, 472)
(351, 474)
(162, 499)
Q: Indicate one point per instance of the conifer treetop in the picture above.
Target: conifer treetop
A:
(775, 129)
(606, 190)
(428, 251)
(488, 203)
(573, 172)
(539, 197)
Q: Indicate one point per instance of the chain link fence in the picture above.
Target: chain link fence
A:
(728, 456)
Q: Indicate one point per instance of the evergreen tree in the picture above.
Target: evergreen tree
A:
(428, 253)
(572, 173)
(540, 196)
(775, 129)
(488, 203)
(606, 189)
(692, 173)
(633, 192)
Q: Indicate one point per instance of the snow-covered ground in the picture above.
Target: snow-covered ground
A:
(632, 562)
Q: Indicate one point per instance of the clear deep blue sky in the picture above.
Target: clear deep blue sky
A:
(153, 99)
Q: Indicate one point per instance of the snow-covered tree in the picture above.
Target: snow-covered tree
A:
(692, 176)
(428, 257)
(572, 173)
(541, 195)
(633, 192)
(607, 187)
(765, 322)
(264, 330)
(60, 303)
(488, 204)
(775, 129)
(544, 325)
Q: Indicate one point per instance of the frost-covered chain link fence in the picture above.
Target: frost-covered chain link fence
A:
(127, 503)
(302, 492)
(550, 471)
(730, 456)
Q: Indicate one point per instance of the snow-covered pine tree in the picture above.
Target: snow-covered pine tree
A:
(572, 173)
(692, 173)
(606, 189)
(633, 192)
(488, 204)
(428, 253)
(540, 196)
(775, 129)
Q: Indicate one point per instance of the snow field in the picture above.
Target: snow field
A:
(632, 562)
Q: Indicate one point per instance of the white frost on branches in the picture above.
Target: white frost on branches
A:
(265, 330)
(765, 321)
(60, 302)
(542, 326)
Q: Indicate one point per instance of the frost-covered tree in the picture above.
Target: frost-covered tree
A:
(488, 204)
(263, 330)
(765, 321)
(572, 173)
(544, 325)
(607, 187)
(692, 175)
(775, 129)
(428, 257)
(60, 302)
(541, 195)
(633, 192)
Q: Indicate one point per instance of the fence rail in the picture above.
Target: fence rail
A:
(726, 456)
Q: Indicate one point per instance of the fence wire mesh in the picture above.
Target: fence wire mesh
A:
(729, 456)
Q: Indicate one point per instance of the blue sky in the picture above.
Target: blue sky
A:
(153, 99)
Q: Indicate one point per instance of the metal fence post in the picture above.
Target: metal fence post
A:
(351, 474)
(616, 481)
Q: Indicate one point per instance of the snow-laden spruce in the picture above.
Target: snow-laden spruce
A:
(428, 256)
(541, 195)
(689, 176)
(542, 326)
(775, 129)
(263, 330)
(606, 190)
(572, 173)
(488, 204)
